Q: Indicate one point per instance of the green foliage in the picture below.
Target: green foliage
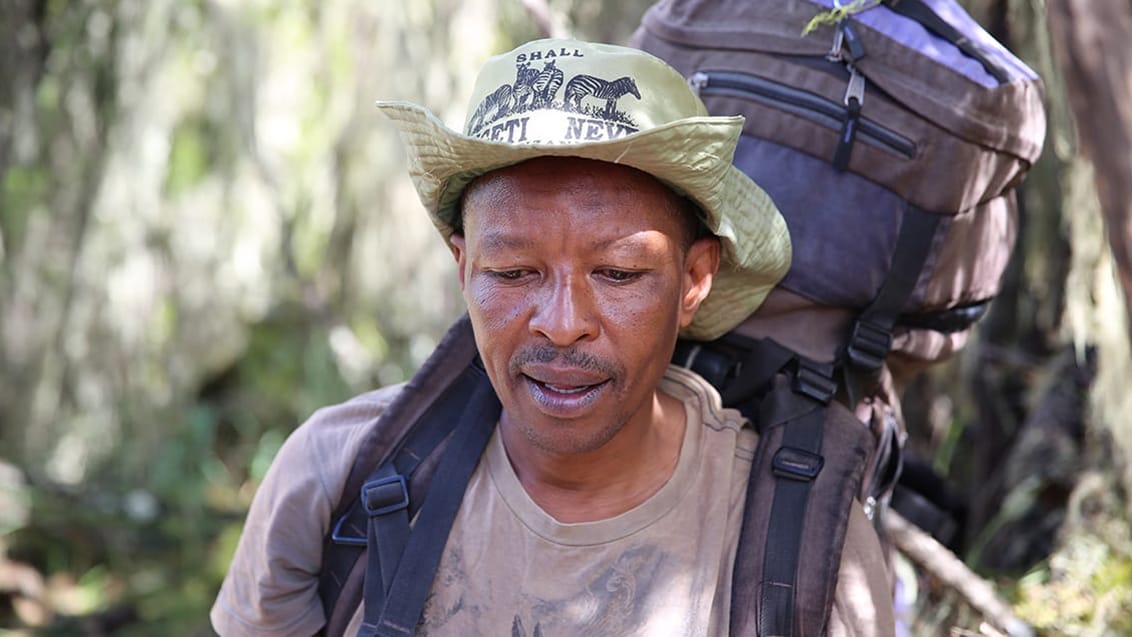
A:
(22, 194)
(189, 157)
(1060, 602)
(159, 543)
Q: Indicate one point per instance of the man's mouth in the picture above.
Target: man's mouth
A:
(565, 389)
(564, 398)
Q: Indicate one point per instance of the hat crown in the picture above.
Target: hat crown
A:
(571, 92)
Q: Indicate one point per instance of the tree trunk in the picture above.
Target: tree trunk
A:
(1091, 41)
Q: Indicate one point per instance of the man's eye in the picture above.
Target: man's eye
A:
(619, 276)
(508, 275)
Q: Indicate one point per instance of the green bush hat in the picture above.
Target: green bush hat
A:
(565, 98)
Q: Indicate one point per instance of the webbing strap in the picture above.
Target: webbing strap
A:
(386, 501)
(374, 514)
(871, 336)
(795, 465)
(403, 433)
(763, 360)
(397, 615)
(919, 11)
(426, 436)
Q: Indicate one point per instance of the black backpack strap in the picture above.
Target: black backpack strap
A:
(795, 465)
(409, 436)
(919, 11)
(871, 336)
(405, 561)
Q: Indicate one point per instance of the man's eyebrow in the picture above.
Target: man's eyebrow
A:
(503, 241)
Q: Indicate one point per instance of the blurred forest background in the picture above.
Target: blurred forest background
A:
(206, 232)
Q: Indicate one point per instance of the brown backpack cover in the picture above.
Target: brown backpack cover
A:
(961, 141)
(892, 140)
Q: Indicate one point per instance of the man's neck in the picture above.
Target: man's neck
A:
(607, 481)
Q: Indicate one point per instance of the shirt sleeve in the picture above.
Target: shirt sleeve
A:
(862, 602)
(271, 587)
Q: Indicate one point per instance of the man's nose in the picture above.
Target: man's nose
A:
(566, 312)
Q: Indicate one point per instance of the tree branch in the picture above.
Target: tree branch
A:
(936, 559)
(546, 20)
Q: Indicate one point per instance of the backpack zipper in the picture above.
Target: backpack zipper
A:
(845, 117)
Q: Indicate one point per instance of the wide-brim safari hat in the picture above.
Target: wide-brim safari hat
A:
(566, 98)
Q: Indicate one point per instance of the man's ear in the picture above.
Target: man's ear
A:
(460, 251)
(700, 266)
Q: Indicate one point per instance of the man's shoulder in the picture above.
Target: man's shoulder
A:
(690, 387)
(272, 585)
(359, 408)
(349, 418)
(330, 438)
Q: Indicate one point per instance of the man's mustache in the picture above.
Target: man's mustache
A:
(569, 356)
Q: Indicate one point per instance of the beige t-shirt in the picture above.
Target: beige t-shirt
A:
(662, 568)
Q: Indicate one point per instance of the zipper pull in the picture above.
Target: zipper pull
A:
(845, 38)
(698, 81)
(854, 99)
(852, 41)
(834, 54)
(855, 90)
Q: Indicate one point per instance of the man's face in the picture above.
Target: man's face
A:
(578, 275)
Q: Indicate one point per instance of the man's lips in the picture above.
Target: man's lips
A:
(566, 390)
(565, 393)
(565, 380)
(563, 388)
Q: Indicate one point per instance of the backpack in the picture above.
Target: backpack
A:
(868, 133)
(893, 157)
(892, 137)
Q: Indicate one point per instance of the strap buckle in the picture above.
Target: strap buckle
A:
(385, 495)
(379, 496)
(797, 464)
(814, 381)
(869, 343)
(339, 536)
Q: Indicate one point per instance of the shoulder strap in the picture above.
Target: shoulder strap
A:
(407, 563)
(808, 465)
(409, 436)
(871, 337)
(811, 456)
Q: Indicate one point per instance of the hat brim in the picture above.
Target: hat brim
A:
(692, 156)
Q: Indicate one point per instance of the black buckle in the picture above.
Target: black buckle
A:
(797, 464)
(385, 495)
(339, 537)
(815, 381)
(868, 345)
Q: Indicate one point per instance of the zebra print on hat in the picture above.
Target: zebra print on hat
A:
(521, 112)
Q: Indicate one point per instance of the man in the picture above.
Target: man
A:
(594, 216)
